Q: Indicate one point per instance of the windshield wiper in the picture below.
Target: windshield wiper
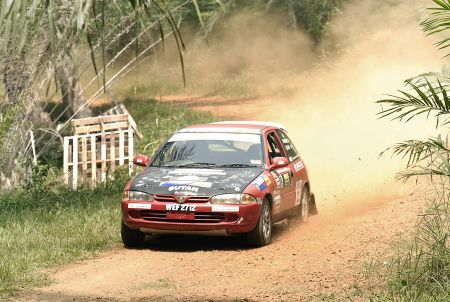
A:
(238, 166)
(197, 165)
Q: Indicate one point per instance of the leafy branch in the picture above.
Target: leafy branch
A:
(425, 98)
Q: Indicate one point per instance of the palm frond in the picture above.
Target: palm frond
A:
(423, 97)
(417, 151)
(425, 158)
(438, 21)
(442, 76)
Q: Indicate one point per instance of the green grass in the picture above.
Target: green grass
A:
(419, 269)
(46, 228)
(47, 224)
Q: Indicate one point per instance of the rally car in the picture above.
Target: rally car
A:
(225, 178)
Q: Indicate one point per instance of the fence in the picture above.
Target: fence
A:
(89, 158)
(98, 146)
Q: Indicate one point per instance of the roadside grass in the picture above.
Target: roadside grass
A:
(46, 224)
(419, 269)
(43, 228)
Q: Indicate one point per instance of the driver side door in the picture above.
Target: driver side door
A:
(284, 195)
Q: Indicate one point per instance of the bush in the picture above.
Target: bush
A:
(420, 268)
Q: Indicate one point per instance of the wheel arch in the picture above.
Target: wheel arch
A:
(312, 200)
(269, 198)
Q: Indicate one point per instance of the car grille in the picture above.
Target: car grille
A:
(200, 217)
(189, 199)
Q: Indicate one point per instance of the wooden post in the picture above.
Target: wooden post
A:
(33, 147)
(130, 151)
(112, 151)
(84, 159)
(103, 157)
(75, 162)
(66, 160)
(121, 148)
(93, 160)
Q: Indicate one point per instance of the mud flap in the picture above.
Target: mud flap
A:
(312, 205)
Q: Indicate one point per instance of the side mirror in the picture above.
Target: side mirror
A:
(279, 162)
(141, 160)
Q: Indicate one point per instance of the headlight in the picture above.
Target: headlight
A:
(137, 196)
(233, 199)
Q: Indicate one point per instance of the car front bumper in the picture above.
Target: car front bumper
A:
(165, 217)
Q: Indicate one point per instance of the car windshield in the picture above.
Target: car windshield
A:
(210, 150)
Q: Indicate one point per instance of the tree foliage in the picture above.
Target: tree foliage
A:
(48, 44)
(426, 94)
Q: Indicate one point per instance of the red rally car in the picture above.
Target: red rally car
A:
(222, 178)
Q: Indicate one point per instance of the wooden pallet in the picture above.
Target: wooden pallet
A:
(90, 158)
(98, 124)
(99, 145)
(121, 109)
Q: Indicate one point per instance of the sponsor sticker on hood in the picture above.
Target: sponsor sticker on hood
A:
(196, 182)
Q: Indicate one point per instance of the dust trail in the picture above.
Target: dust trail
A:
(333, 116)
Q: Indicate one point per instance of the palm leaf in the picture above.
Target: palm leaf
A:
(424, 98)
(438, 21)
(417, 150)
(199, 14)
(430, 157)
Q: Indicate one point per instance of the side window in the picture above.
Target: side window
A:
(288, 146)
(275, 149)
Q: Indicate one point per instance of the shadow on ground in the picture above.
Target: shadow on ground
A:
(47, 297)
(192, 243)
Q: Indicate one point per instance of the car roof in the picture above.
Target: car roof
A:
(251, 127)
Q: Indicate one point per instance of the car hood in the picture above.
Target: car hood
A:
(200, 182)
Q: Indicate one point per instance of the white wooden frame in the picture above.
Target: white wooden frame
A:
(99, 163)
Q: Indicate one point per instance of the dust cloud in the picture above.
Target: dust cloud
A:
(333, 118)
(327, 104)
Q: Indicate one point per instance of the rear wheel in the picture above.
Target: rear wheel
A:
(130, 237)
(262, 233)
(303, 209)
(304, 206)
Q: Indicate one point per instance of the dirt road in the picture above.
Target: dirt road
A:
(313, 262)
(319, 261)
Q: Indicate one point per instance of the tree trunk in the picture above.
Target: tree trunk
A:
(71, 90)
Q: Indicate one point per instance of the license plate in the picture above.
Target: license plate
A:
(180, 207)
(180, 216)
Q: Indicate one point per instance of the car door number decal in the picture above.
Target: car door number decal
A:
(283, 178)
(180, 207)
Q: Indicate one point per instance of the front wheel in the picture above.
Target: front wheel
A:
(262, 233)
(130, 237)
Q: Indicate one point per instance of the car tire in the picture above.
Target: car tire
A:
(302, 211)
(262, 233)
(130, 237)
